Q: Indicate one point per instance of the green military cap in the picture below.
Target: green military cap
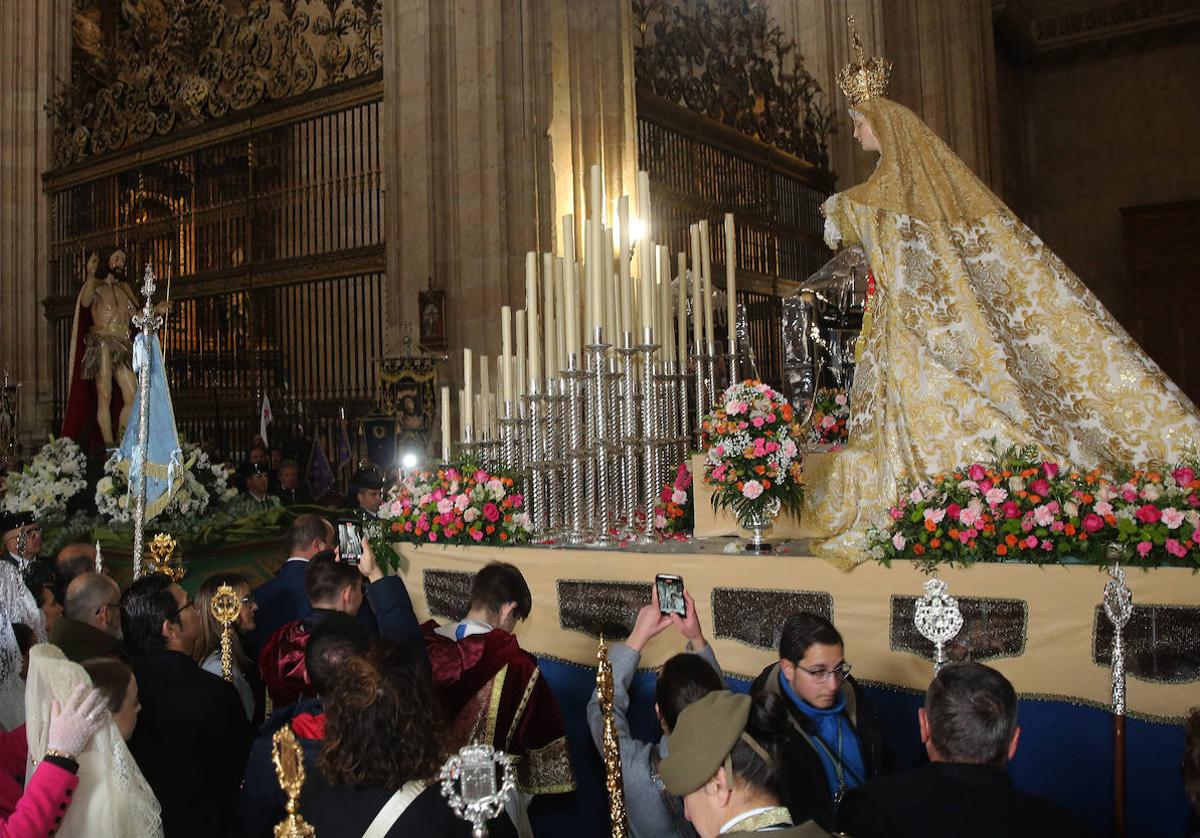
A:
(703, 736)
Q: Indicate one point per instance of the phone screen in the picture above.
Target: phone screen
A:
(349, 541)
(670, 594)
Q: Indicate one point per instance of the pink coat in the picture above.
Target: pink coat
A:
(40, 810)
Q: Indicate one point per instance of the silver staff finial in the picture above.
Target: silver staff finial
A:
(1118, 605)
(469, 785)
(938, 619)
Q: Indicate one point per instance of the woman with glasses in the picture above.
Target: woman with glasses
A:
(208, 646)
(835, 743)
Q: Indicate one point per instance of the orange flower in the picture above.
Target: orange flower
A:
(760, 469)
(766, 484)
(929, 525)
(1010, 540)
(934, 543)
(919, 549)
(1001, 550)
(953, 533)
(1069, 529)
(504, 536)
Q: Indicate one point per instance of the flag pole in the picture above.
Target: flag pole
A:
(149, 323)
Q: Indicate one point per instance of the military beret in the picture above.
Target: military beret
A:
(704, 734)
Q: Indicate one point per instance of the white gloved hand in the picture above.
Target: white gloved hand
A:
(72, 726)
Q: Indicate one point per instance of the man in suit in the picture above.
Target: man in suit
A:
(91, 625)
(288, 486)
(192, 735)
(969, 727)
(835, 742)
(282, 598)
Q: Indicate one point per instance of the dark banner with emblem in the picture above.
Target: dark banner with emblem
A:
(380, 432)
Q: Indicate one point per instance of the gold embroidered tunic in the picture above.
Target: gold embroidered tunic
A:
(977, 331)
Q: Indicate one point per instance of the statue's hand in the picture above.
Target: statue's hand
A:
(164, 307)
(92, 262)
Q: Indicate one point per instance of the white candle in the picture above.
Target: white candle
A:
(560, 313)
(468, 402)
(521, 352)
(596, 263)
(548, 309)
(706, 278)
(485, 384)
(611, 316)
(463, 413)
(697, 294)
(664, 303)
(624, 289)
(506, 350)
(681, 314)
(571, 288)
(445, 424)
(646, 251)
(730, 279)
(531, 320)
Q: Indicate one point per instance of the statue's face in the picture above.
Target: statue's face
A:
(865, 134)
(116, 262)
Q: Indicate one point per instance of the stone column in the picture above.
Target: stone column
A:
(494, 111)
(35, 43)
(945, 70)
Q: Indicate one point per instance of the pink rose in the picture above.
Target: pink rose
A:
(953, 511)
(1193, 500)
(1031, 541)
(935, 514)
(1183, 476)
(1047, 545)
(491, 512)
(445, 505)
(977, 472)
(1172, 517)
(752, 489)
(516, 501)
(432, 535)
(1092, 523)
(1050, 470)
(969, 516)
(1103, 508)
(897, 513)
(477, 535)
(898, 541)
(481, 476)
(1196, 535)
(1040, 487)
(679, 497)
(1148, 514)
(1175, 548)
(758, 421)
(1144, 547)
(1012, 510)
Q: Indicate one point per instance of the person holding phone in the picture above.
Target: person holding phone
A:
(334, 585)
(683, 679)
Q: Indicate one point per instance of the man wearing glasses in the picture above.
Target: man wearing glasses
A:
(91, 625)
(836, 741)
(23, 547)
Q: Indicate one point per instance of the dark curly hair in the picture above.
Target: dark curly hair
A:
(383, 727)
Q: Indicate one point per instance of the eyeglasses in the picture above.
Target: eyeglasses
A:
(113, 605)
(189, 604)
(820, 676)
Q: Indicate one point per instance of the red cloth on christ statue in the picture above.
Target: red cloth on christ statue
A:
(493, 692)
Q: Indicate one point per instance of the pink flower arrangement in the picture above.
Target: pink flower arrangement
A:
(457, 505)
(1020, 507)
(675, 513)
(830, 419)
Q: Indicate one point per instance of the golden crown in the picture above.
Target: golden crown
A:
(866, 78)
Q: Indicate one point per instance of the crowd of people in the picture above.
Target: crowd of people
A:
(120, 720)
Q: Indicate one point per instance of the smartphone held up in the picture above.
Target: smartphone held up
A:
(670, 594)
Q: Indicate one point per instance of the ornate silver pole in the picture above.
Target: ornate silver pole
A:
(576, 455)
(537, 448)
(710, 375)
(509, 432)
(598, 417)
(938, 619)
(702, 392)
(1118, 606)
(552, 458)
(149, 323)
(732, 358)
(629, 433)
(649, 426)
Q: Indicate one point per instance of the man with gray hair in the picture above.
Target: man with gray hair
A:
(969, 727)
(91, 624)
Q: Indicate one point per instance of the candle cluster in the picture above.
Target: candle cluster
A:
(594, 383)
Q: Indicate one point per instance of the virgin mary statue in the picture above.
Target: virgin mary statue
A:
(976, 331)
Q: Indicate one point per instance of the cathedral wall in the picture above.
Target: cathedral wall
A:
(1111, 131)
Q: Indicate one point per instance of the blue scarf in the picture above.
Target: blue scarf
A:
(827, 723)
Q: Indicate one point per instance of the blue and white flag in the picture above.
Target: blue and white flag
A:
(163, 468)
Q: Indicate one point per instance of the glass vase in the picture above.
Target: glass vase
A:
(758, 520)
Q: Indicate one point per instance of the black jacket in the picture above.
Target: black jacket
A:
(804, 788)
(338, 811)
(262, 802)
(191, 741)
(948, 799)
(80, 641)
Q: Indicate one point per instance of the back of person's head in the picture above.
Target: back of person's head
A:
(325, 578)
(802, 630)
(1191, 758)
(145, 606)
(304, 531)
(382, 724)
(972, 714)
(497, 584)
(73, 560)
(210, 626)
(111, 677)
(683, 679)
(765, 729)
(332, 642)
(88, 594)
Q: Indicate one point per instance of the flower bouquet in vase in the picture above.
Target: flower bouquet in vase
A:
(752, 457)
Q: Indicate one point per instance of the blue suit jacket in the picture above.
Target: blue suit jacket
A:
(280, 599)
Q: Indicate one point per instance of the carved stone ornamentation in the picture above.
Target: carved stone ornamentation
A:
(728, 60)
(144, 68)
